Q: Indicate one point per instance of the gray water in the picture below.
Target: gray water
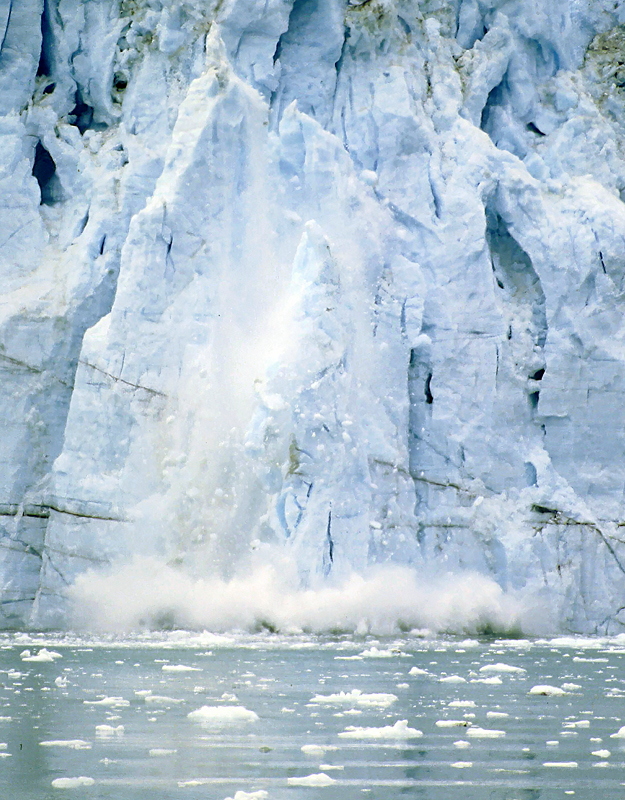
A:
(544, 748)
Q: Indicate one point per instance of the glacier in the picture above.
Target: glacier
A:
(328, 288)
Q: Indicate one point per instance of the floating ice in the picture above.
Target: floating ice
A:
(453, 679)
(399, 730)
(72, 744)
(109, 731)
(601, 753)
(43, 656)
(159, 752)
(72, 783)
(620, 734)
(317, 779)
(317, 750)
(484, 733)
(496, 715)
(547, 691)
(418, 671)
(461, 764)
(562, 764)
(503, 669)
(222, 715)
(452, 723)
(261, 794)
(179, 668)
(108, 702)
(160, 700)
(356, 698)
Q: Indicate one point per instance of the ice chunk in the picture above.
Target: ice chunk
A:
(356, 697)
(502, 668)
(43, 656)
(317, 750)
(108, 731)
(452, 723)
(545, 690)
(399, 730)
(72, 783)
(179, 668)
(317, 779)
(222, 715)
(72, 744)
(484, 733)
(108, 702)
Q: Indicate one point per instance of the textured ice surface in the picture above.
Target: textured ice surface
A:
(335, 283)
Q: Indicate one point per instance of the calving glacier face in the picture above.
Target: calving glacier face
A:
(322, 284)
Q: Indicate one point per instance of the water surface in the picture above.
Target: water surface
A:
(115, 713)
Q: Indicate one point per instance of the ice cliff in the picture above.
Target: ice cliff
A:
(343, 281)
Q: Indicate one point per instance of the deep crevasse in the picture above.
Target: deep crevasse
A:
(341, 282)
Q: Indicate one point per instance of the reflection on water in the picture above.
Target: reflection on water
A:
(204, 716)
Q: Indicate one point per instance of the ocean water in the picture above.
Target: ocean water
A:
(310, 717)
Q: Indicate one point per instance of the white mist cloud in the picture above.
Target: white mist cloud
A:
(148, 593)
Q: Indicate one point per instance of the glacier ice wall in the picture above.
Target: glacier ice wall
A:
(341, 281)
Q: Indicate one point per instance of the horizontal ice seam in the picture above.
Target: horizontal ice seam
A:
(43, 511)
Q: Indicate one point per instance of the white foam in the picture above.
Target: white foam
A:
(222, 715)
(356, 698)
(269, 591)
(317, 779)
(399, 730)
(561, 764)
(72, 744)
(72, 783)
